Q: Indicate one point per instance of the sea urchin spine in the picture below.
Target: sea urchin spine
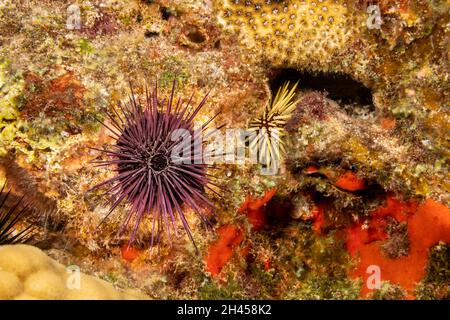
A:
(10, 216)
(268, 129)
(149, 175)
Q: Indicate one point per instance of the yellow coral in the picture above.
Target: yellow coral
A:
(10, 285)
(27, 273)
(304, 32)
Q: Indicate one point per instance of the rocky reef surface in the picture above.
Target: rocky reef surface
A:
(363, 186)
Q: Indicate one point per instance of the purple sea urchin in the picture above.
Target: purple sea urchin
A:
(150, 174)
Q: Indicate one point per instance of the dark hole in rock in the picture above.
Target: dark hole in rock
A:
(340, 87)
(139, 17)
(166, 13)
(151, 34)
(196, 36)
(278, 211)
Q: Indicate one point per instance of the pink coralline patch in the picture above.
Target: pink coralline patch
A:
(311, 169)
(396, 209)
(267, 265)
(221, 251)
(359, 235)
(350, 181)
(230, 236)
(428, 224)
(318, 217)
(388, 123)
(129, 253)
(255, 209)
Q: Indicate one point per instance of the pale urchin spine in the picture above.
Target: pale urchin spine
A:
(267, 137)
(148, 177)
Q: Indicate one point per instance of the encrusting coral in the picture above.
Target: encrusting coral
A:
(308, 33)
(27, 273)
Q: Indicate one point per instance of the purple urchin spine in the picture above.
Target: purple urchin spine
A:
(10, 215)
(147, 175)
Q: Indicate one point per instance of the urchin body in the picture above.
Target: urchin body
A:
(158, 174)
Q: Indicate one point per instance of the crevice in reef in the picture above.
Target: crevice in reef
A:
(352, 95)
